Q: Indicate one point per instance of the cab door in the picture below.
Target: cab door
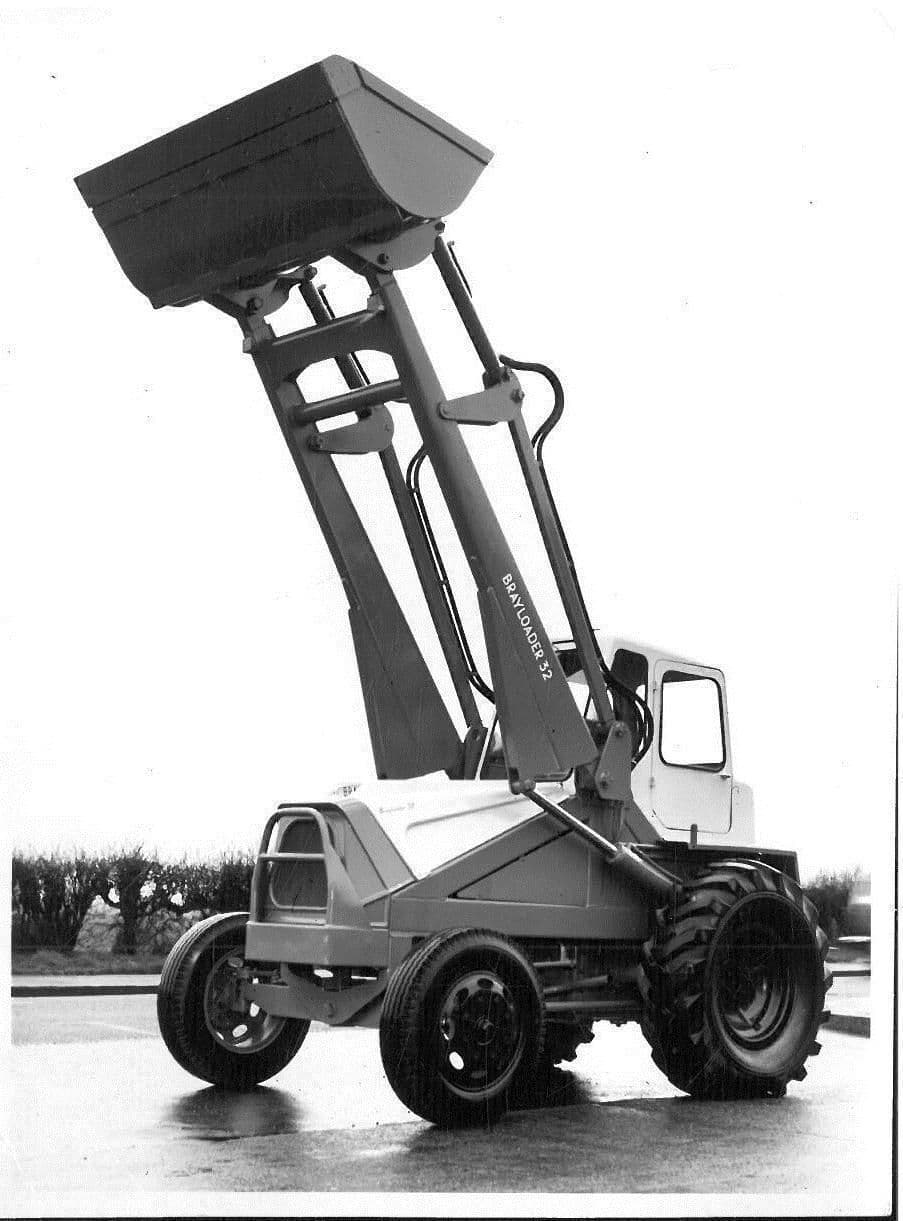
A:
(691, 766)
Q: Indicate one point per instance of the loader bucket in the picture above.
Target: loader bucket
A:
(286, 175)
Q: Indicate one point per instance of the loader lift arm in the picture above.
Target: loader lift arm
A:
(542, 730)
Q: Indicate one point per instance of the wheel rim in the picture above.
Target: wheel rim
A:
(481, 1034)
(762, 985)
(236, 1023)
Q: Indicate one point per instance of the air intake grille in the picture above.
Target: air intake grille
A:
(299, 883)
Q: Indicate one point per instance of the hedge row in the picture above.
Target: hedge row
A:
(51, 894)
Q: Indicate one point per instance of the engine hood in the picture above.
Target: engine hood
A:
(431, 820)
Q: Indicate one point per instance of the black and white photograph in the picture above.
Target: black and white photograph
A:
(450, 483)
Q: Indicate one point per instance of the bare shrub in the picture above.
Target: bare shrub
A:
(830, 892)
(50, 896)
(138, 885)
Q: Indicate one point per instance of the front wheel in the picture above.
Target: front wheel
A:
(734, 984)
(210, 1028)
(461, 1027)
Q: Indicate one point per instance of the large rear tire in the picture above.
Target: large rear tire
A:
(208, 1026)
(734, 984)
(461, 1028)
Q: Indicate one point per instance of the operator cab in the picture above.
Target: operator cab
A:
(685, 779)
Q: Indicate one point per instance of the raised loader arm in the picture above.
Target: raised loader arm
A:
(543, 731)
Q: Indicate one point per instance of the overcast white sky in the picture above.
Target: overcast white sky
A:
(693, 214)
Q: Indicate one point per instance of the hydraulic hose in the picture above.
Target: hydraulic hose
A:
(641, 715)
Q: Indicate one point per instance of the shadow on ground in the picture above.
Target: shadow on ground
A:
(221, 1115)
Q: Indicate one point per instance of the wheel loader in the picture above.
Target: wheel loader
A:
(564, 846)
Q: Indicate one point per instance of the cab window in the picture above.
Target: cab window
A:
(692, 725)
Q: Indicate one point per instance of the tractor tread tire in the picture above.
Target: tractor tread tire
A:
(180, 1011)
(674, 983)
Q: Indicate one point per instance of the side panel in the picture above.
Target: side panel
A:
(422, 917)
(557, 873)
(533, 881)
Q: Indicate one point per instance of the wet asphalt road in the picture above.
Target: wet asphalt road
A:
(98, 1104)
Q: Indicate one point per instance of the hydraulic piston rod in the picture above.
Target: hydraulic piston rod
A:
(621, 857)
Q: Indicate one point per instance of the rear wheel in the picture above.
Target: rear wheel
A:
(210, 1028)
(735, 982)
(461, 1027)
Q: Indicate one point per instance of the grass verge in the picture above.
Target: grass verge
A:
(74, 962)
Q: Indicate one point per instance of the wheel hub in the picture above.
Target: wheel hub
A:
(481, 1032)
(236, 1023)
(755, 983)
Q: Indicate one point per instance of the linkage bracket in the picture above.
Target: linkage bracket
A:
(370, 435)
(498, 404)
